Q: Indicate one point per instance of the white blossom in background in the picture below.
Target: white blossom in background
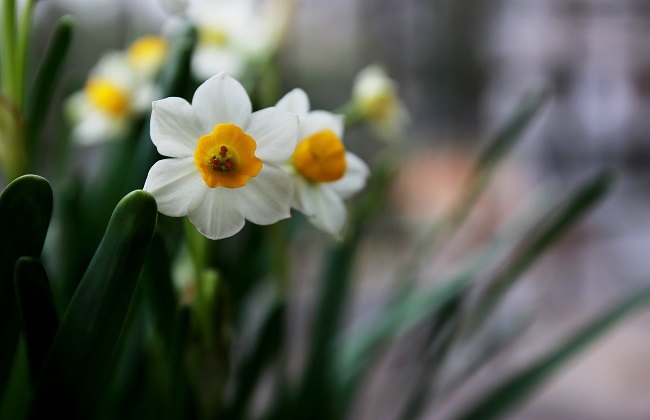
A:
(120, 87)
(375, 96)
(323, 171)
(233, 33)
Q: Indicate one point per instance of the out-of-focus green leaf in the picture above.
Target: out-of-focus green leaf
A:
(512, 393)
(271, 336)
(158, 290)
(47, 76)
(40, 320)
(25, 212)
(75, 372)
(13, 155)
(360, 347)
(534, 245)
(173, 82)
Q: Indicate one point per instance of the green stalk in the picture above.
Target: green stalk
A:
(8, 48)
(21, 57)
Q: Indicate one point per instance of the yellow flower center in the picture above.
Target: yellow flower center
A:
(226, 157)
(103, 94)
(212, 36)
(148, 52)
(321, 157)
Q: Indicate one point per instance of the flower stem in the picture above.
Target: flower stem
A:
(21, 57)
(8, 47)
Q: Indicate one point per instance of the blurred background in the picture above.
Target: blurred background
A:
(462, 66)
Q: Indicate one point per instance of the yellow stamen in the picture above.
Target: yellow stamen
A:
(321, 157)
(148, 52)
(212, 36)
(226, 157)
(103, 94)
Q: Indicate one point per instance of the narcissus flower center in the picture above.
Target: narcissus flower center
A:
(148, 51)
(111, 99)
(212, 36)
(226, 157)
(321, 157)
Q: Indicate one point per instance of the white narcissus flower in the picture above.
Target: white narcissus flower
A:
(224, 159)
(324, 173)
(231, 34)
(119, 87)
(375, 95)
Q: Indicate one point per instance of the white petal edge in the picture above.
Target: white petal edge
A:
(267, 198)
(323, 207)
(215, 212)
(210, 60)
(219, 100)
(295, 101)
(354, 178)
(174, 183)
(317, 121)
(275, 131)
(175, 129)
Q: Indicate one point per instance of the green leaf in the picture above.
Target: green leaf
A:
(74, 374)
(497, 148)
(173, 82)
(25, 212)
(408, 309)
(47, 76)
(515, 390)
(40, 320)
(158, 290)
(268, 345)
(534, 244)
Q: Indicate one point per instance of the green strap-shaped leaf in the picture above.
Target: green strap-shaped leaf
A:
(534, 245)
(514, 391)
(74, 374)
(40, 95)
(25, 212)
(40, 320)
(266, 349)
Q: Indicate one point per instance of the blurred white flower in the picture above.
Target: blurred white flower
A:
(224, 167)
(174, 6)
(232, 33)
(114, 92)
(324, 173)
(147, 55)
(375, 96)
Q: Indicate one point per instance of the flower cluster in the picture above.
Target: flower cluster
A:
(120, 86)
(229, 164)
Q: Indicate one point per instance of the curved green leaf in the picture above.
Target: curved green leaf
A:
(513, 391)
(25, 212)
(75, 372)
(47, 75)
(40, 320)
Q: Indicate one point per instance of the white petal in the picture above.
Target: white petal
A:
(174, 182)
(210, 60)
(175, 129)
(216, 212)
(295, 101)
(275, 132)
(221, 99)
(317, 121)
(322, 206)
(267, 198)
(96, 127)
(354, 178)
